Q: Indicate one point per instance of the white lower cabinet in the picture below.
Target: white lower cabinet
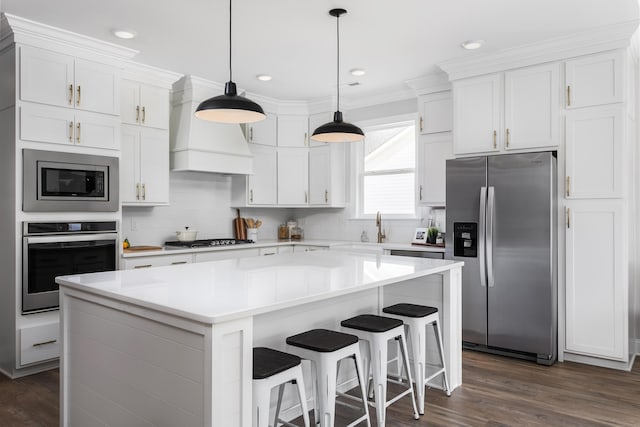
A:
(218, 255)
(156, 261)
(39, 343)
(596, 279)
(144, 166)
(306, 248)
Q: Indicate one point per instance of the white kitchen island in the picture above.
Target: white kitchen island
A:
(172, 346)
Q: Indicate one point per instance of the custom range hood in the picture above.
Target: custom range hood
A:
(199, 145)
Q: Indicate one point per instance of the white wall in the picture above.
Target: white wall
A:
(200, 201)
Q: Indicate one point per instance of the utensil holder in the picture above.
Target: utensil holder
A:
(252, 234)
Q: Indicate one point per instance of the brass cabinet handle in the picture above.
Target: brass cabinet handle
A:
(305, 197)
(143, 266)
(144, 114)
(495, 139)
(38, 344)
(79, 95)
(70, 94)
(568, 217)
(420, 192)
(250, 196)
(568, 96)
(421, 124)
(71, 132)
(138, 191)
(568, 186)
(144, 191)
(78, 133)
(507, 140)
(178, 262)
(251, 134)
(326, 196)
(269, 253)
(137, 113)
(305, 138)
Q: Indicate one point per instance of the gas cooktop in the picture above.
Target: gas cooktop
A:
(206, 243)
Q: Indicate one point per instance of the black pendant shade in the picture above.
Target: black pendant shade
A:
(338, 130)
(230, 107)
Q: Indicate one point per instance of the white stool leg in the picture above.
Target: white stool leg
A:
(405, 361)
(316, 392)
(302, 396)
(419, 355)
(261, 403)
(361, 377)
(327, 391)
(441, 350)
(379, 365)
(278, 405)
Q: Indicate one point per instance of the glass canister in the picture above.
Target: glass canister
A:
(283, 232)
(297, 233)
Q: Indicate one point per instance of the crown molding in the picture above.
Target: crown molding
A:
(595, 40)
(377, 99)
(14, 29)
(149, 74)
(430, 83)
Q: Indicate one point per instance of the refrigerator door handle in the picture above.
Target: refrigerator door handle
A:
(491, 205)
(481, 236)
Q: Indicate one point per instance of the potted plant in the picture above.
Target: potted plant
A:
(432, 233)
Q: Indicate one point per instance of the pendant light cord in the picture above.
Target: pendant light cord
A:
(230, 76)
(338, 62)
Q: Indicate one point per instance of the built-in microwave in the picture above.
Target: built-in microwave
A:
(58, 181)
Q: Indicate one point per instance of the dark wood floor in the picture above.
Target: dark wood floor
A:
(497, 391)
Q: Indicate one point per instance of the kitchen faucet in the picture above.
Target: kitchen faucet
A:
(381, 235)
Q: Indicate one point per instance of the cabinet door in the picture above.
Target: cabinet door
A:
(594, 149)
(594, 80)
(293, 131)
(46, 124)
(315, 121)
(97, 130)
(97, 87)
(157, 261)
(435, 153)
(596, 290)
(154, 107)
(130, 102)
(531, 107)
(263, 184)
(154, 166)
(129, 165)
(46, 77)
(319, 175)
(436, 112)
(476, 114)
(293, 176)
(264, 132)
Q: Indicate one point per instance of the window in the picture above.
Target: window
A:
(386, 170)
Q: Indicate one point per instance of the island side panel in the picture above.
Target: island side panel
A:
(452, 324)
(124, 366)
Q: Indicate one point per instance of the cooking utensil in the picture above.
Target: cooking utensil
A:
(258, 223)
(239, 227)
(186, 235)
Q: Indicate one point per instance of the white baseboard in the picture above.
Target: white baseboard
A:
(637, 347)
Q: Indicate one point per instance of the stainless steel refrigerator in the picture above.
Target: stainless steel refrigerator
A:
(501, 221)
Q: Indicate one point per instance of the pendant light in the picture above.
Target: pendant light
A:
(338, 130)
(230, 107)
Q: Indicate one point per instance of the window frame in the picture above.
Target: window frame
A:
(357, 169)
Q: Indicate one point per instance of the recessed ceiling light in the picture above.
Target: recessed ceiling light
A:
(263, 77)
(472, 44)
(357, 72)
(124, 34)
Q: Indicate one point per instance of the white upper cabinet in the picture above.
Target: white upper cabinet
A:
(52, 78)
(144, 105)
(436, 112)
(293, 131)
(596, 279)
(594, 153)
(262, 186)
(476, 116)
(293, 176)
(531, 107)
(432, 179)
(327, 175)
(595, 80)
(315, 121)
(264, 132)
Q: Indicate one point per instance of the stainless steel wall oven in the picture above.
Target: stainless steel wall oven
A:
(51, 249)
(59, 181)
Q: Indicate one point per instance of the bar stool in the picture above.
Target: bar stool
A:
(416, 318)
(377, 331)
(275, 368)
(325, 348)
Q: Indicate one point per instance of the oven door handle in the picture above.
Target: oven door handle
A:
(64, 239)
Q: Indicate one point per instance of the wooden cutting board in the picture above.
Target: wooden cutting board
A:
(141, 249)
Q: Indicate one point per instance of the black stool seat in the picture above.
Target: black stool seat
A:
(410, 310)
(268, 362)
(322, 340)
(371, 323)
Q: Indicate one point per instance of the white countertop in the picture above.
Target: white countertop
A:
(331, 244)
(219, 291)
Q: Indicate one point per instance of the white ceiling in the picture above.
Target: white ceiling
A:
(294, 40)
